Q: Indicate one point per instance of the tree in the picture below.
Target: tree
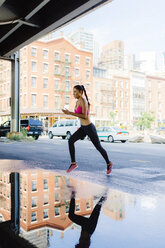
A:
(146, 120)
(112, 117)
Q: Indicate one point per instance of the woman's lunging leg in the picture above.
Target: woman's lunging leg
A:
(76, 136)
(95, 140)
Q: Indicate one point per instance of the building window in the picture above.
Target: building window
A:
(67, 57)
(56, 182)
(67, 181)
(88, 205)
(56, 56)
(76, 72)
(57, 211)
(115, 83)
(56, 102)
(33, 100)
(34, 185)
(45, 182)
(121, 84)
(46, 199)
(87, 61)
(45, 83)
(77, 207)
(67, 100)
(57, 197)
(67, 209)
(45, 67)
(77, 59)
(87, 74)
(34, 51)
(45, 54)
(56, 84)
(67, 85)
(45, 214)
(56, 69)
(66, 71)
(34, 66)
(34, 80)
(34, 202)
(33, 216)
(45, 102)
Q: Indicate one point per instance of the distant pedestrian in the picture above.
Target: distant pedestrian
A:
(82, 110)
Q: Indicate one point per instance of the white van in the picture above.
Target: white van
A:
(64, 128)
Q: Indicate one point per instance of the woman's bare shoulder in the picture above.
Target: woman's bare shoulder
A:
(83, 101)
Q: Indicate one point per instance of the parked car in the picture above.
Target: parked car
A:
(34, 127)
(64, 128)
(112, 134)
(160, 130)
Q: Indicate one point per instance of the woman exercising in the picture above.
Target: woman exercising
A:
(87, 128)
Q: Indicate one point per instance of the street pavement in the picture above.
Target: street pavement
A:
(138, 168)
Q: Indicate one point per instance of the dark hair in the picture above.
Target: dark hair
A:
(82, 88)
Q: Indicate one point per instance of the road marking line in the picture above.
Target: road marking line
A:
(140, 161)
(115, 150)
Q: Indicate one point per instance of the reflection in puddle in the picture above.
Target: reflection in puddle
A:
(49, 218)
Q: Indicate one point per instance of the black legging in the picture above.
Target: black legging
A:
(89, 130)
(88, 224)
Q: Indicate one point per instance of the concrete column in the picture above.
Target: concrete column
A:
(15, 93)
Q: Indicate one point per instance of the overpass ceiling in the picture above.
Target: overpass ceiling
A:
(22, 22)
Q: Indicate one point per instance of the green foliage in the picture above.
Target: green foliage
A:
(112, 117)
(146, 120)
(23, 131)
(22, 136)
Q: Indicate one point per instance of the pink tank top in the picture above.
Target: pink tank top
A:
(79, 110)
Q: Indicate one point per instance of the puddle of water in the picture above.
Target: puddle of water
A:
(113, 218)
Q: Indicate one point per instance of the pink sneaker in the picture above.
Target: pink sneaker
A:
(72, 167)
(109, 168)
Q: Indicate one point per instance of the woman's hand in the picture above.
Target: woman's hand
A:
(66, 111)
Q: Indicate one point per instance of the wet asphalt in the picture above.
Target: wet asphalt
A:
(138, 168)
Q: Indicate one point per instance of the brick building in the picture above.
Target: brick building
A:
(48, 72)
(112, 96)
(155, 98)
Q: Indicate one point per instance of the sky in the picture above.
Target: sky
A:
(139, 23)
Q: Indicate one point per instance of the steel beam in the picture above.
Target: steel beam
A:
(15, 93)
(15, 202)
(20, 23)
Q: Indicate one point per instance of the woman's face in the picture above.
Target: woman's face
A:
(76, 93)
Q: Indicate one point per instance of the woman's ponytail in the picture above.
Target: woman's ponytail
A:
(83, 88)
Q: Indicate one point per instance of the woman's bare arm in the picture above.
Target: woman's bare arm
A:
(84, 111)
